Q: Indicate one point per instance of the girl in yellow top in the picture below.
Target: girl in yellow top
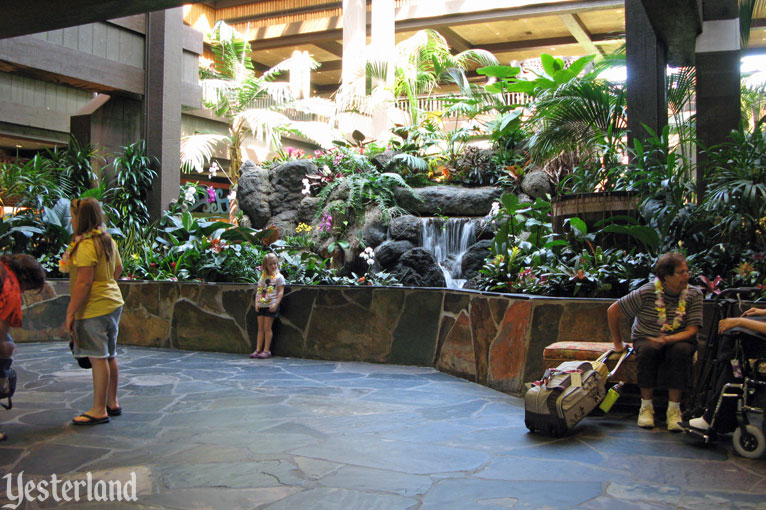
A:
(95, 305)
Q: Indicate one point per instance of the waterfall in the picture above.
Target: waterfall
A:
(447, 239)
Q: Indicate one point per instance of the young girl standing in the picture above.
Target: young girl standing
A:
(268, 295)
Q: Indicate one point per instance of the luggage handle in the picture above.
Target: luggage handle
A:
(602, 359)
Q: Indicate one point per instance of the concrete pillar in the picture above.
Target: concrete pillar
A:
(162, 103)
(383, 35)
(646, 60)
(717, 57)
(354, 39)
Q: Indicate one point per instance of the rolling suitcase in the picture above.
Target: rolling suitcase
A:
(567, 394)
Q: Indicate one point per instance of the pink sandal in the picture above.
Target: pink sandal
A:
(263, 355)
(256, 354)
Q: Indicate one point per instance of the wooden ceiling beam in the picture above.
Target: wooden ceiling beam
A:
(292, 33)
(457, 43)
(333, 47)
(541, 43)
(580, 32)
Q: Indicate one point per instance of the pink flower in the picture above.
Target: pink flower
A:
(210, 195)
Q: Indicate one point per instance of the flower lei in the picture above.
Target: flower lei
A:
(662, 314)
(262, 290)
(64, 261)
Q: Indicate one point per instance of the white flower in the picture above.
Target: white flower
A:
(495, 209)
(189, 194)
(326, 170)
(232, 196)
(369, 255)
(306, 187)
(214, 169)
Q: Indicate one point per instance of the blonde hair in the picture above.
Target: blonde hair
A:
(89, 216)
(266, 258)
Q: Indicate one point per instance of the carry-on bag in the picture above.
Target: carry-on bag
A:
(567, 394)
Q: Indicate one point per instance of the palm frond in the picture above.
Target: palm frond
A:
(197, 150)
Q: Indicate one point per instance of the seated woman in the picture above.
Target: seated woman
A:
(753, 320)
(667, 315)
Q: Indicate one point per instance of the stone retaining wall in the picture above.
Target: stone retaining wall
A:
(493, 339)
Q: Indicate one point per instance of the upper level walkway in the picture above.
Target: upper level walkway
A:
(206, 430)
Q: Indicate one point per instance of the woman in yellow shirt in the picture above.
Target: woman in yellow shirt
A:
(95, 305)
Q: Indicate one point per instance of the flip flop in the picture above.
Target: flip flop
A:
(92, 420)
(113, 411)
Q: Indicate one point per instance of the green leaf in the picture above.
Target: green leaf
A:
(499, 72)
(578, 225)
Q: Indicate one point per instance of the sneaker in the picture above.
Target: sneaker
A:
(646, 417)
(699, 423)
(674, 419)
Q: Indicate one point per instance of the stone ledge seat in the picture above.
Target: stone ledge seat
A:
(559, 352)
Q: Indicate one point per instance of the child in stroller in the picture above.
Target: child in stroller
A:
(736, 384)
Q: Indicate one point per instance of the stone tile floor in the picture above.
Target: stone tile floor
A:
(206, 430)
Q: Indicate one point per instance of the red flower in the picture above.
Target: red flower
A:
(712, 286)
(153, 265)
(173, 266)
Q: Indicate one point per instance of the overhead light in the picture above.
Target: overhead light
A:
(18, 146)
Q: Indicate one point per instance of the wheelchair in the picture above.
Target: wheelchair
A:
(732, 381)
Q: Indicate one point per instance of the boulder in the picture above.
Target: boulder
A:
(418, 268)
(253, 192)
(448, 200)
(389, 252)
(406, 228)
(287, 184)
(382, 160)
(474, 257)
(537, 184)
(374, 232)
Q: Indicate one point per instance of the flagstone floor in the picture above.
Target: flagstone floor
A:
(205, 430)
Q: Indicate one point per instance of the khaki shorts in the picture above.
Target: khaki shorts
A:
(96, 337)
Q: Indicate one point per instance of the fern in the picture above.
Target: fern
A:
(366, 188)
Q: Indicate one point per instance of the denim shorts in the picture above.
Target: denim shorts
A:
(96, 337)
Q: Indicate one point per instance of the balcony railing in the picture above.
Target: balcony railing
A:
(426, 103)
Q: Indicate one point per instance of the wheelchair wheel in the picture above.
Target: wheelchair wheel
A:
(751, 443)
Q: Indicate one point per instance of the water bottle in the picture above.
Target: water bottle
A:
(611, 397)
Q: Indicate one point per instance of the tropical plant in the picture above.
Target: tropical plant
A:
(250, 104)
(736, 190)
(74, 166)
(372, 187)
(422, 62)
(134, 175)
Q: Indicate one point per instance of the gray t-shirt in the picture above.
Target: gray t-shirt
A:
(640, 305)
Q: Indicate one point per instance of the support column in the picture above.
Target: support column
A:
(646, 60)
(717, 56)
(162, 103)
(354, 39)
(383, 35)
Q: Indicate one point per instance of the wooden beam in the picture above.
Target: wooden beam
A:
(21, 17)
(577, 28)
(471, 18)
(456, 43)
(291, 34)
(541, 43)
(71, 66)
(333, 47)
(325, 6)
